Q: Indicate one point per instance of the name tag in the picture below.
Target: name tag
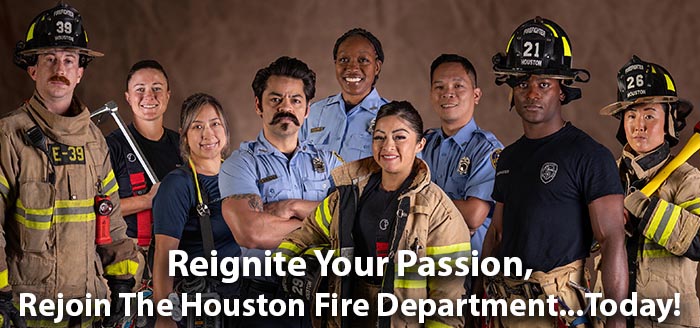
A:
(267, 179)
(61, 154)
(318, 129)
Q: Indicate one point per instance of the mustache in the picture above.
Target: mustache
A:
(61, 79)
(280, 115)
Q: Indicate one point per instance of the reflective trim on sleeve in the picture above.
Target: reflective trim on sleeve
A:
(109, 184)
(122, 268)
(692, 206)
(323, 217)
(4, 187)
(3, 279)
(662, 222)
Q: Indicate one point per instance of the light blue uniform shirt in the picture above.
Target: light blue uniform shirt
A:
(349, 134)
(259, 168)
(464, 165)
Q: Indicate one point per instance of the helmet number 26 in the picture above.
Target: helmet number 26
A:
(529, 46)
(64, 27)
(637, 80)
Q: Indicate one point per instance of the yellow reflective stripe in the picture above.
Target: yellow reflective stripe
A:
(509, 41)
(122, 268)
(434, 324)
(449, 250)
(656, 220)
(4, 187)
(74, 203)
(670, 224)
(3, 279)
(33, 218)
(30, 33)
(407, 284)
(109, 184)
(567, 48)
(692, 206)
(322, 217)
(669, 83)
(288, 248)
(310, 251)
(552, 29)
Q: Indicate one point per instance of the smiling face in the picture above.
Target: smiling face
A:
(453, 95)
(206, 136)
(394, 146)
(644, 127)
(356, 67)
(56, 73)
(283, 106)
(538, 100)
(148, 94)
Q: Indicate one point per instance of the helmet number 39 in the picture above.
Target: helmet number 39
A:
(64, 27)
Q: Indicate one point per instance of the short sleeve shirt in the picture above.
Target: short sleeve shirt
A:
(464, 165)
(545, 186)
(349, 133)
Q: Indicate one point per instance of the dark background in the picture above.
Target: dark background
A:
(216, 46)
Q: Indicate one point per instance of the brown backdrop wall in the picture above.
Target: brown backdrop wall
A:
(216, 47)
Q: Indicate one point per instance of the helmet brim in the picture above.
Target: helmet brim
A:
(615, 108)
(79, 50)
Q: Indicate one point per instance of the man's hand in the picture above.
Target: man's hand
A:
(8, 313)
(284, 209)
(117, 306)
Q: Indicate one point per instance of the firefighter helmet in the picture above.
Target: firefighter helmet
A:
(539, 47)
(58, 27)
(640, 82)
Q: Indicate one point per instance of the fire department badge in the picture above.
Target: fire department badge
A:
(370, 128)
(463, 167)
(318, 164)
(548, 172)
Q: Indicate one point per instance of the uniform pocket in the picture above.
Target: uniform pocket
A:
(316, 190)
(276, 190)
(34, 215)
(456, 186)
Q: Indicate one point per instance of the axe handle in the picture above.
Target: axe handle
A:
(688, 150)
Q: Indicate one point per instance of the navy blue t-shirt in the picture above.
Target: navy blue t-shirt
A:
(545, 186)
(174, 214)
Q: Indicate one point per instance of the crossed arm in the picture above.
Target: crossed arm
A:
(255, 225)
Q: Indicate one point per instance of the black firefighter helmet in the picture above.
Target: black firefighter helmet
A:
(640, 82)
(539, 47)
(59, 27)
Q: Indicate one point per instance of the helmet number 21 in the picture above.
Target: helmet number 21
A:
(637, 80)
(529, 46)
(64, 27)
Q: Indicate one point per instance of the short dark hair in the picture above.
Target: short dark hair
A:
(365, 34)
(190, 108)
(143, 64)
(404, 110)
(288, 67)
(453, 58)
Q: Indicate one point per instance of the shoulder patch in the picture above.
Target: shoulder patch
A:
(495, 155)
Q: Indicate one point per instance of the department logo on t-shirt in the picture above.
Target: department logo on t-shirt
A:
(548, 172)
